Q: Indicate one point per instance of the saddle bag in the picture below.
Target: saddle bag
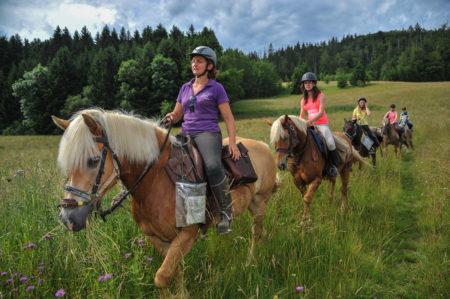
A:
(366, 141)
(186, 171)
(240, 171)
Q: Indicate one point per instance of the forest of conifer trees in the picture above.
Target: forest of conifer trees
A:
(143, 71)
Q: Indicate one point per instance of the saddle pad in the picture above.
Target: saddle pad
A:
(318, 140)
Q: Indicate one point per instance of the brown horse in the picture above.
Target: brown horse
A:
(392, 136)
(99, 148)
(298, 152)
(354, 132)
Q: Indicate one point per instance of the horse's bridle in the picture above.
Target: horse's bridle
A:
(354, 134)
(293, 142)
(94, 198)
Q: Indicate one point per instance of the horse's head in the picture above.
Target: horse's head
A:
(285, 135)
(349, 129)
(92, 168)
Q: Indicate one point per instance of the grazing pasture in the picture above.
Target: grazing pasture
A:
(391, 243)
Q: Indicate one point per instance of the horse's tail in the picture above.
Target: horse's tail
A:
(357, 158)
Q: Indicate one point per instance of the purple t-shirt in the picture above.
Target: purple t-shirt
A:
(205, 116)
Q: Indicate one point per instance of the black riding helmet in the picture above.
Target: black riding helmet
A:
(362, 99)
(309, 77)
(392, 106)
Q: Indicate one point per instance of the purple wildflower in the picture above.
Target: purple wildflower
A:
(41, 263)
(101, 278)
(4, 273)
(31, 245)
(30, 288)
(14, 274)
(108, 276)
(203, 236)
(127, 255)
(24, 247)
(47, 236)
(9, 280)
(383, 251)
(149, 259)
(40, 268)
(299, 288)
(23, 279)
(60, 293)
(41, 280)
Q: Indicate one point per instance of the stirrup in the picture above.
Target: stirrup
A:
(225, 225)
(332, 171)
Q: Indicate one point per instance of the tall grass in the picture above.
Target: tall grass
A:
(391, 243)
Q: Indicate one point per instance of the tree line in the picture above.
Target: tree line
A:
(143, 71)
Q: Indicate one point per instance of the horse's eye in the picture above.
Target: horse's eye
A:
(93, 162)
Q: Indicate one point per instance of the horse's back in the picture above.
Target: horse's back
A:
(262, 161)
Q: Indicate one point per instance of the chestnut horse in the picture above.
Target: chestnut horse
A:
(392, 136)
(354, 132)
(99, 148)
(298, 152)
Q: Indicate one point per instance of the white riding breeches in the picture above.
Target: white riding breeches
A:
(326, 132)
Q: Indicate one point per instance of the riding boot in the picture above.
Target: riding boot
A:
(332, 170)
(223, 198)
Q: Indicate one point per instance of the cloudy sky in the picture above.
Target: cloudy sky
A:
(248, 25)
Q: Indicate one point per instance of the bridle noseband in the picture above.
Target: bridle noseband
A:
(94, 197)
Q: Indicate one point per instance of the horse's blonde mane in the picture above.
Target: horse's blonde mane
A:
(277, 131)
(131, 137)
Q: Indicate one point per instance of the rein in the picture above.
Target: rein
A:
(94, 198)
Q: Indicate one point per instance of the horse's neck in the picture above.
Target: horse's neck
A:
(131, 172)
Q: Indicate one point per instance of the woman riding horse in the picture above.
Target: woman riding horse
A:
(317, 116)
(200, 100)
(361, 115)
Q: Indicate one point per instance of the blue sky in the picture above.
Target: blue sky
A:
(248, 25)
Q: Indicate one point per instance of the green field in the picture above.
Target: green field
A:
(393, 242)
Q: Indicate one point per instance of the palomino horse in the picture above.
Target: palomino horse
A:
(298, 152)
(354, 132)
(391, 136)
(99, 148)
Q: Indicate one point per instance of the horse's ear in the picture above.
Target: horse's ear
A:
(60, 123)
(269, 122)
(93, 126)
(286, 118)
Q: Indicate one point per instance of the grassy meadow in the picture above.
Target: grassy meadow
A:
(393, 241)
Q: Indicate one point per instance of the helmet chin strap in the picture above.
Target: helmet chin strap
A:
(204, 72)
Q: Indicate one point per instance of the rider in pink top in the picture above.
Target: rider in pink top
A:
(392, 115)
(313, 102)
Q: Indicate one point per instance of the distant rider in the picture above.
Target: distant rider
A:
(361, 115)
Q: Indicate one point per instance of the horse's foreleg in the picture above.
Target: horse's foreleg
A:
(374, 160)
(307, 198)
(332, 185)
(345, 178)
(178, 248)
